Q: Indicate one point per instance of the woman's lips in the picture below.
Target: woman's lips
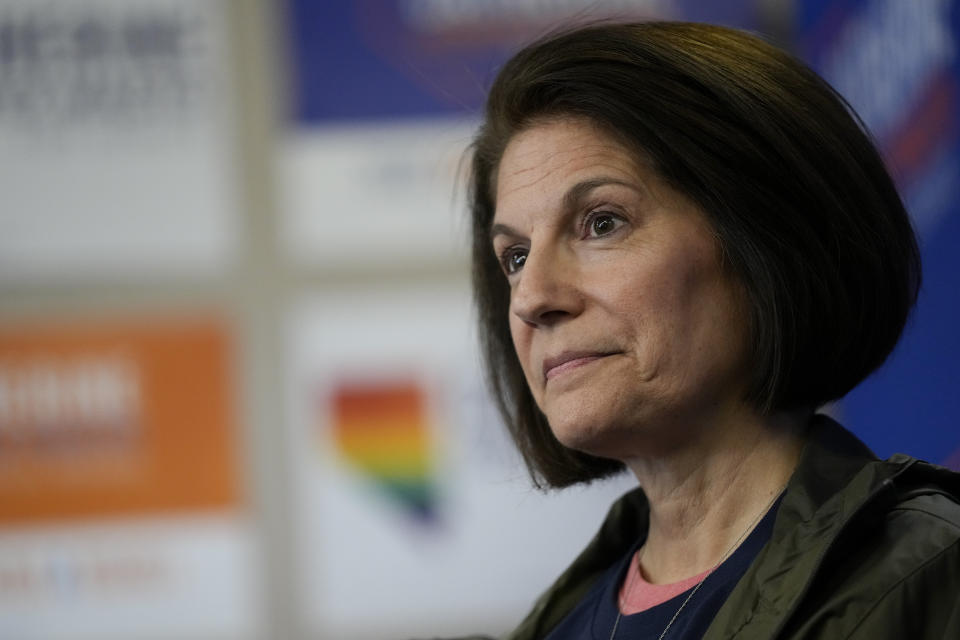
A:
(568, 360)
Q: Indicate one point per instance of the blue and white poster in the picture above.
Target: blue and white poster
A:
(385, 98)
(898, 64)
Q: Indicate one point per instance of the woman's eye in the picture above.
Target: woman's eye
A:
(602, 224)
(513, 259)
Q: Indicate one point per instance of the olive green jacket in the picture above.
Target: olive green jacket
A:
(861, 549)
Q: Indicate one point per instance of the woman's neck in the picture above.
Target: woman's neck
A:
(704, 498)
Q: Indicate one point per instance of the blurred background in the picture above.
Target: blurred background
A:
(239, 393)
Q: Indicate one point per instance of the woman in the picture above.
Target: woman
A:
(684, 245)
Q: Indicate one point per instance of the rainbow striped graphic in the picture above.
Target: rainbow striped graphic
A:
(382, 430)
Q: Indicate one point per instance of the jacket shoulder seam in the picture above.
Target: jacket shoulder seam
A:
(953, 523)
(910, 505)
(899, 584)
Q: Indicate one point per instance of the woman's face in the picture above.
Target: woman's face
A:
(630, 333)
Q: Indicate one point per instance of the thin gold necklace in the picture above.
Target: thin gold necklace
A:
(723, 558)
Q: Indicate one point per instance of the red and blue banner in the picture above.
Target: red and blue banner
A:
(355, 60)
(898, 64)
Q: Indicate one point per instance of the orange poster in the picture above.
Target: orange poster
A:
(115, 418)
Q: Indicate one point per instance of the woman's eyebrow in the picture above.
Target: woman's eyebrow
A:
(571, 201)
(500, 229)
(576, 193)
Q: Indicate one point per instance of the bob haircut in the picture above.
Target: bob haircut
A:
(806, 215)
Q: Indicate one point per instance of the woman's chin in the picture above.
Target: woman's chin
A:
(605, 441)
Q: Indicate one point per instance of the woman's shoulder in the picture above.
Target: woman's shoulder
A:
(861, 544)
(934, 506)
(895, 570)
(924, 517)
(920, 525)
(921, 529)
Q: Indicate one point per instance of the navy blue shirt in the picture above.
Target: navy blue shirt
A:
(594, 617)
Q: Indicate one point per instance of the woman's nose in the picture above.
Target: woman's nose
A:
(546, 290)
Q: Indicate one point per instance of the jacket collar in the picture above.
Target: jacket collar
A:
(837, 475)
(836, 478)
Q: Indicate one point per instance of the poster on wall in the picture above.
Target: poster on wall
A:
(386, 96)
(121, 511)
(116, 157)
(898, 64)
(378, 195)
(404, 480)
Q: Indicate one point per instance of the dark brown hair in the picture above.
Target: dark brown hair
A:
(806, 214)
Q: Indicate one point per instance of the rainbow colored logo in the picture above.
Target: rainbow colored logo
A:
(381, 429)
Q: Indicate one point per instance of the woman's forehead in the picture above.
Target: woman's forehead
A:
(540, 158)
